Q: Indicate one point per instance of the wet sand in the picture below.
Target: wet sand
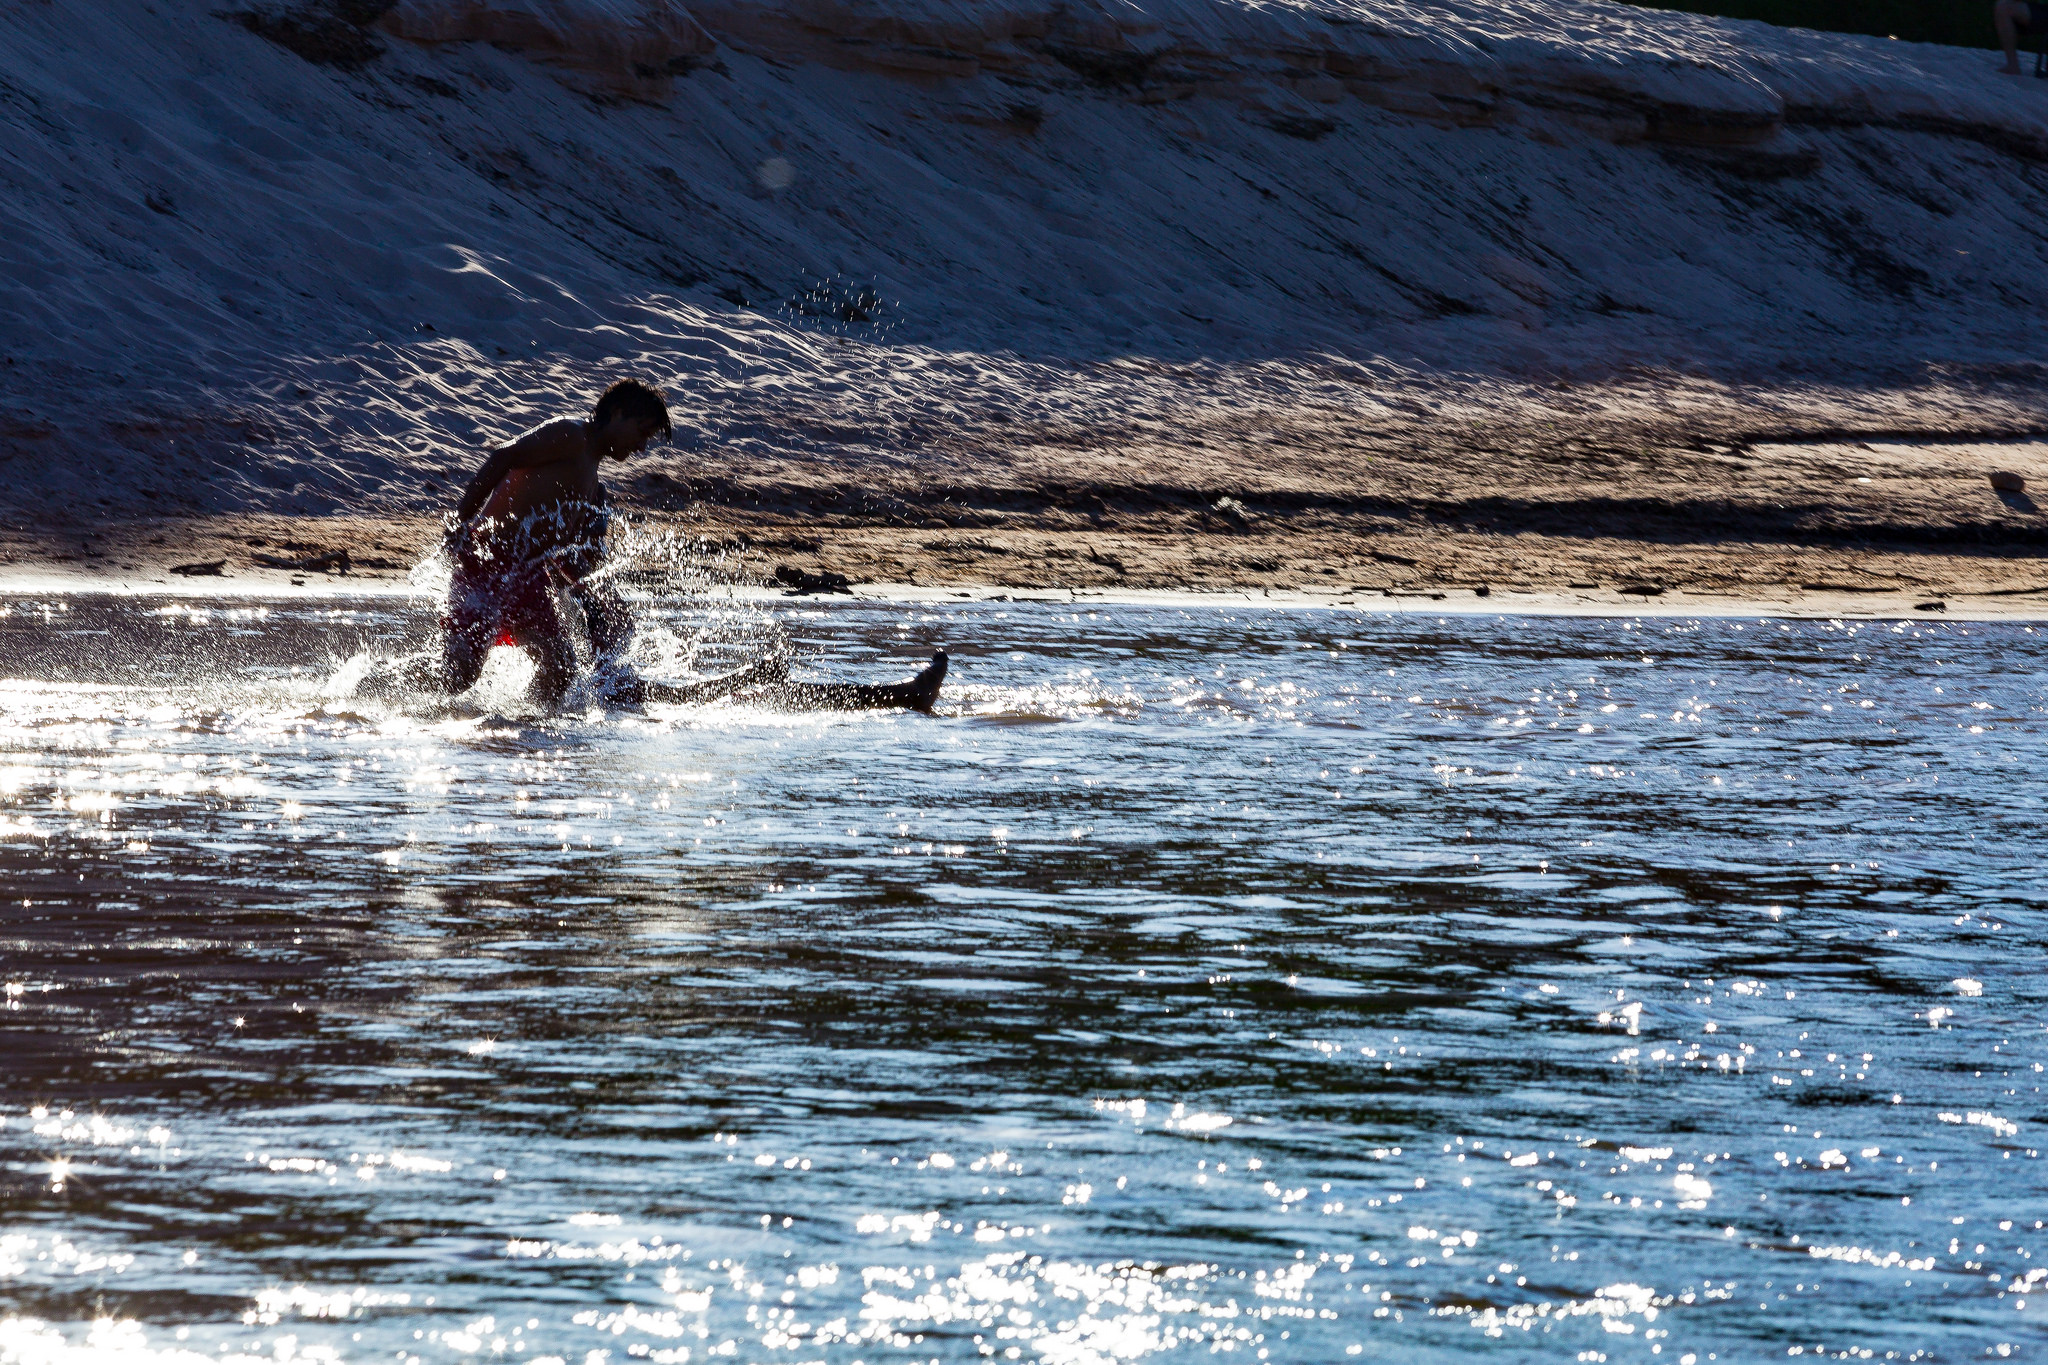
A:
(1548, 574)
(1817, 528)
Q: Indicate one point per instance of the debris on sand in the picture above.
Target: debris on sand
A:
(1233, 511)
(333, 561)
(2005, 481)
(209, 568)
(1930, 606)
(803, 582)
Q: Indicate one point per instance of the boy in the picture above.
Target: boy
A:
(531, 525)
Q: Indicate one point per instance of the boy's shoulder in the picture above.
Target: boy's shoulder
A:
(562, 438)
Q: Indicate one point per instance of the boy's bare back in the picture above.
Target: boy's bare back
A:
(537, 483)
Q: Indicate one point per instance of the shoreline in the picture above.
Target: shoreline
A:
(261, 583)
(1305, 510)
(1516, 524)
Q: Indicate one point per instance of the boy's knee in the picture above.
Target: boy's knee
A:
(554, 668)
(460, 665)
(607, 620)
(610, 632)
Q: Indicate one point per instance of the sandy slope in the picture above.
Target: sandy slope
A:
(1541, 268)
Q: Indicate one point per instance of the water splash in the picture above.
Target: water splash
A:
(692, 622)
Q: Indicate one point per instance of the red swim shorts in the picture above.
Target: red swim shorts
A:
(490, 604)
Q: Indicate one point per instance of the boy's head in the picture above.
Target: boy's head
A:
(629, 416)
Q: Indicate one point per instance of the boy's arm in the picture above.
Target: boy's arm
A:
(487, 478)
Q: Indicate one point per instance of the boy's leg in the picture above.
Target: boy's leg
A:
(461, 662)
(539, 629)
(468, 626)
(606, 617)
(554, 661)
(529, 618)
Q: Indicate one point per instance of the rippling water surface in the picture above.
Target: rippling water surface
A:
(1280, 984)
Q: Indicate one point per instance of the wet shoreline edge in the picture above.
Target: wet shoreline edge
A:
(16, 584)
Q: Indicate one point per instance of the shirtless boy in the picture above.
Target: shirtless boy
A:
(529, 531)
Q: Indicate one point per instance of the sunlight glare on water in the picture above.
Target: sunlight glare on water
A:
(1282, 984)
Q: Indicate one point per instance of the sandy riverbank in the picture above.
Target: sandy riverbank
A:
(1858, 528)
(1368, 300)
(1372, 268)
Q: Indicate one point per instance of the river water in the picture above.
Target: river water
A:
(1278, 984)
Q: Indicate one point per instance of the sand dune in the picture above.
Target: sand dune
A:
(281, 260)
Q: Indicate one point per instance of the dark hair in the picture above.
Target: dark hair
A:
(631, 398)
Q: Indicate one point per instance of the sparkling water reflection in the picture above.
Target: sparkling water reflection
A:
(1284, 984)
